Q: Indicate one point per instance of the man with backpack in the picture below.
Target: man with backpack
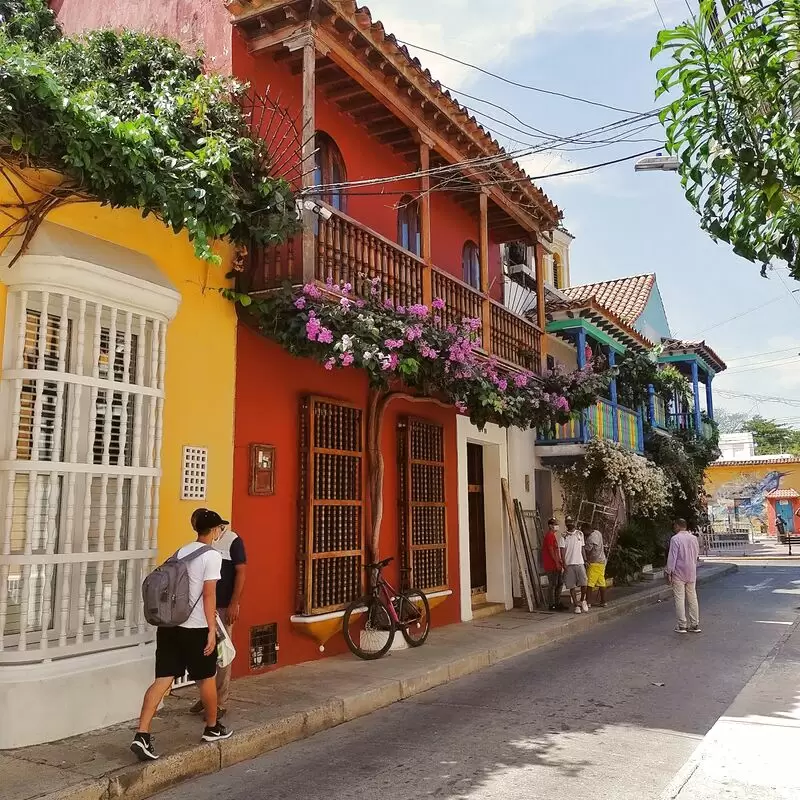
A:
(180, 598)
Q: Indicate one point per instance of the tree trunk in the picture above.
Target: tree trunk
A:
(379, 399)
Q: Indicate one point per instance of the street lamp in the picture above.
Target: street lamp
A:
(657, 163)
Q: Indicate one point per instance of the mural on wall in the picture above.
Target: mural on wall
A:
(743, 499)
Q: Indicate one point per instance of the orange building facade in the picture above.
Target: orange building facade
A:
(344, 107)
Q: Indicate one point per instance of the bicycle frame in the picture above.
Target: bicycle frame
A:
(385, 592)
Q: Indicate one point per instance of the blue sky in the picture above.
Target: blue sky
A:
(624, 222)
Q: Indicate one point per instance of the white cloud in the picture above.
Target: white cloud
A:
(485, 33)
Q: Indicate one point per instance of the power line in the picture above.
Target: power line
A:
(660, 15)
(477, 187)
(768, 365)
(519, 85)
(765, 353)
(740, 315)
(759, 398)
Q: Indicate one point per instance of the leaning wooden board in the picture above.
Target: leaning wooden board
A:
(519, 548)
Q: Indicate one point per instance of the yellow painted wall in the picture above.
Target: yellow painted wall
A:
(725, 482)
(200, 362)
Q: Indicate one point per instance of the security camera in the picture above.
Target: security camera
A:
(317, 209)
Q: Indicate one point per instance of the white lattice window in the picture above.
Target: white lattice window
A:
(81, 404)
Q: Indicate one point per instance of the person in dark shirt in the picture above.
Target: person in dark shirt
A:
(229, 596)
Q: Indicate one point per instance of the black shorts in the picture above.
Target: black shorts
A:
(180, 651)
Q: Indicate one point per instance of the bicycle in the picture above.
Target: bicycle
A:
(370, 623)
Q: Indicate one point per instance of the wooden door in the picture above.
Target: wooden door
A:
(477, 518)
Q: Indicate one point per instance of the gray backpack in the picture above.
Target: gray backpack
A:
(165, 591)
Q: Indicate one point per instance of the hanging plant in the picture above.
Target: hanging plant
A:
(132, 121)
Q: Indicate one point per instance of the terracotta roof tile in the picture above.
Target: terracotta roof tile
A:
(782, 494)
(701, 348)
(624, 297)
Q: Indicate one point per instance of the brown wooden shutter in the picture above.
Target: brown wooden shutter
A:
(331, 512)
(422, 508)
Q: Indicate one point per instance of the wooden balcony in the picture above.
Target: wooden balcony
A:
(345, 251)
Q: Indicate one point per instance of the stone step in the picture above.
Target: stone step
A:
(484, 610)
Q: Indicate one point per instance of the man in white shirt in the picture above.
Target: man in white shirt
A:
(574, 558)
(190, 647)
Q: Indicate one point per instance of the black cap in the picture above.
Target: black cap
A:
(204, 520)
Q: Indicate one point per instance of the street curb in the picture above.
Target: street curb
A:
(138, 781)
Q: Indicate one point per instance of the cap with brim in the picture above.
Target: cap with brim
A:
(204, 520)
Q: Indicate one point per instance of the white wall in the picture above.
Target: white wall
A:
(737, 445)
(498, 545)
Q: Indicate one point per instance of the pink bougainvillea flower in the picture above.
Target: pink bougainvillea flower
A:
(418, 310)
(312, 290)
(502, 384)
(347, 288)
(329, 281)
(347, 359)
(401, 309)
(360, 303)
(413, 333)
(520, 381)
(345, 303)
(390, 363)
(313, 327)
(438, 304)
(330, 363)
(325, 336)
(461, 407)
(388, 304)
(393, 344)
(300, 303)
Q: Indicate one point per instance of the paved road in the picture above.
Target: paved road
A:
(586, 718)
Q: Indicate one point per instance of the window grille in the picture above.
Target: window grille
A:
(193, 473)
(264, 646)
(331, 513)
(423, 511)
(81, 402)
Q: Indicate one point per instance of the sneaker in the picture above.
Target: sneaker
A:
(695, 629)
(142, 747)
(577, 609)
(219, 731)
(585, 607)
(678, 629)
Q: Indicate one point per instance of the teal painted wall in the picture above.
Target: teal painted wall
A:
(652, 322)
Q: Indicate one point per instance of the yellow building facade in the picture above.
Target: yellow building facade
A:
(116, 422)
(748, 493)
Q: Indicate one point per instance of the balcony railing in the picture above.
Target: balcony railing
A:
(685, 421)
(599, 424)
(347, 252)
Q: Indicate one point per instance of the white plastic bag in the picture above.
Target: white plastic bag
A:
(226, 652)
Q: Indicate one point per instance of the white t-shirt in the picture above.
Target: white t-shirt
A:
(206, 567)
(573, 547)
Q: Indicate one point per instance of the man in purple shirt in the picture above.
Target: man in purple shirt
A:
(681, 572)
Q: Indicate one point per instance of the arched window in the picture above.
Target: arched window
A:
(471, 264)
(329, 169)
(408, 227)
(557, 281)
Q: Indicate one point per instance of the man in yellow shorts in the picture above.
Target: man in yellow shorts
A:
(595, 563)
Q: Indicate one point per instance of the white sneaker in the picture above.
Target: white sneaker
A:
(577, 609)
(585, 607)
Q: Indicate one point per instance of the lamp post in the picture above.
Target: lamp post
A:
(657, 163)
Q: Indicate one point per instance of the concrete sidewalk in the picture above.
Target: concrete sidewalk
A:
(751, 752)
(271, 710)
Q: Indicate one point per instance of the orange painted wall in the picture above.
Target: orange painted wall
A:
(366, 158)
(270, 386)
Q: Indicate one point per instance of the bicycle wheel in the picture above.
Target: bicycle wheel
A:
(415, 616)
(368, 629)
